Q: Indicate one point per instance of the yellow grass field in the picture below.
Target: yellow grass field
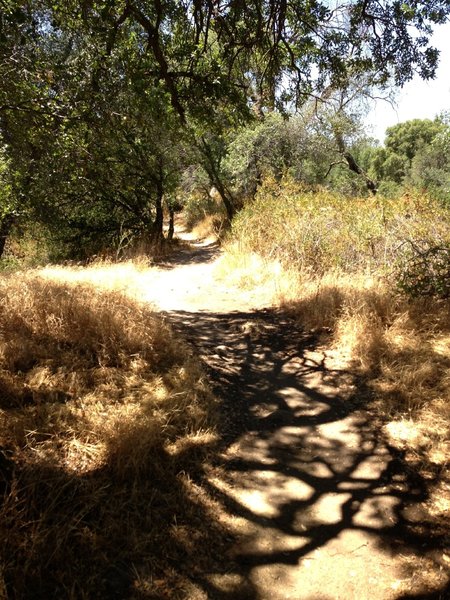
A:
(104, 413)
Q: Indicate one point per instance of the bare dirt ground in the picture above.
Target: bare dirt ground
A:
(317, 504)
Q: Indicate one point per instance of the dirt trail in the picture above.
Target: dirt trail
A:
(321, 507)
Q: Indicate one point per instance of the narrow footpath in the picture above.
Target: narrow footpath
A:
(318, 505)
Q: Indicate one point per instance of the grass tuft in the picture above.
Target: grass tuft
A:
(103, 412)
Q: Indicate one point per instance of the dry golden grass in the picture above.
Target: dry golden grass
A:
(127, 277)
(249, 271)
(334, 263)
(313, 235)
(210, 227)
(103, 414)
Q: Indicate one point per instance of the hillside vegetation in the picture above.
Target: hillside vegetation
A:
(373, 275)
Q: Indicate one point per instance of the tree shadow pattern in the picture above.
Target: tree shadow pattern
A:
(278, 402)
(190, 254)
(261, 366)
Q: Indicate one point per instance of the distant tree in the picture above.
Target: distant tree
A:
(406, 139)
(408, 147)
(272, 146)
(303, 146)
(430, 167)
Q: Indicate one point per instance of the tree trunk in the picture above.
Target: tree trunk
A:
(156, 233)
(157, 226)
(213, 172)
(353, 165)
(171, 224)
(224, 194)
(5, 227)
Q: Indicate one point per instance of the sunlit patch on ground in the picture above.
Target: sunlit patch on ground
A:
(405, 432)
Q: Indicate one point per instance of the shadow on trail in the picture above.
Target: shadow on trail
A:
(190, 254)
(306, 465)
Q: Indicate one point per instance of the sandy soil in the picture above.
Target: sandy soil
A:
(319, 505)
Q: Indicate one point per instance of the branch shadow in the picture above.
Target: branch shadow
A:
(302, 454)
(190, 254)
(103, 536)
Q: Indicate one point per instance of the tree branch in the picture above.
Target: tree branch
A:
(155, 45)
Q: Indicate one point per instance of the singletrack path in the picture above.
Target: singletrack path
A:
(319, 506)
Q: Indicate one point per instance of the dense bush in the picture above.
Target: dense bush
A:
(425, 271)
(316, 232)
(199, 206)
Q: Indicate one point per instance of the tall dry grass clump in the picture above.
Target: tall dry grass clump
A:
(103, 415)
(374, 275)
(315, 232)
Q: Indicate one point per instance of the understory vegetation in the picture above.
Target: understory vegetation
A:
(247, 118)
(372, 275)
(104, 418)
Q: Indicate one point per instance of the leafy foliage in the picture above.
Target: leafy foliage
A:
(99, 99)
(303, 147)
(318, 232)
(425, 270)
(406, 139)
(415, 155)
(430, 168)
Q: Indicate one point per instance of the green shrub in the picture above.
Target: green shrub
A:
(316, 232)
(424, 270)
(199, 206)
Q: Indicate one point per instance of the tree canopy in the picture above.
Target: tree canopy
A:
(100, 98)
(205, 50)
